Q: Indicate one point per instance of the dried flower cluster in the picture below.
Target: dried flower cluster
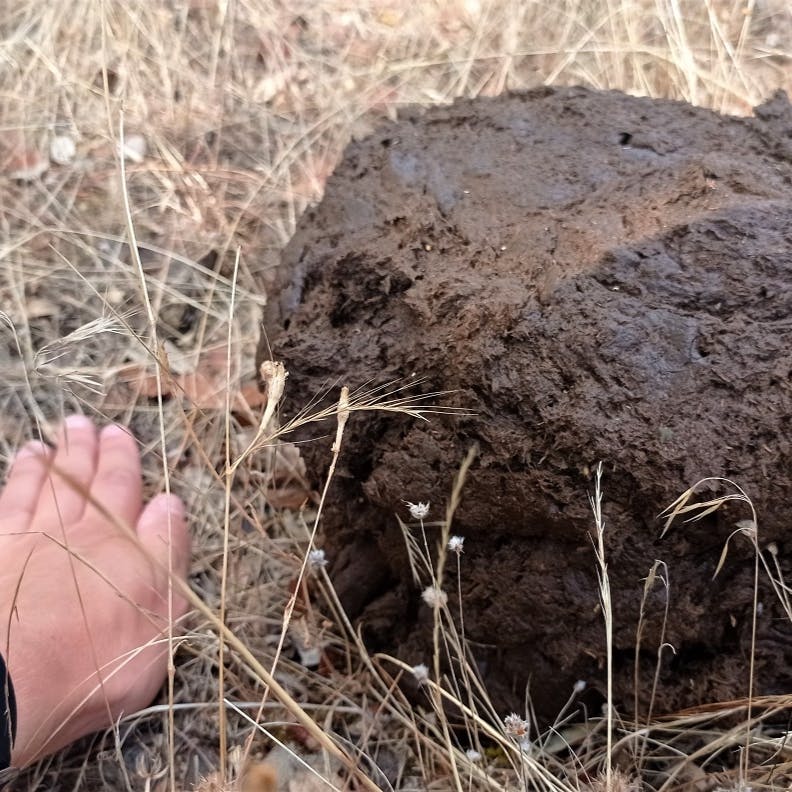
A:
(421, 673)
(418, 511)
(516, 726)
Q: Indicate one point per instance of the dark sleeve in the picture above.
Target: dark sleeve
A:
(8, 716)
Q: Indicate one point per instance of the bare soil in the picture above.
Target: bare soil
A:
(597, 277)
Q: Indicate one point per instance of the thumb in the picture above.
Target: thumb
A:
(161, 519)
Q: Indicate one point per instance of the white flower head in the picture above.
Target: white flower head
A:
(516, 726)
(579, 686)
(473, 755)
(434, 597)
(317, 559)
(455, 544)
(418, 511)
(421, 673)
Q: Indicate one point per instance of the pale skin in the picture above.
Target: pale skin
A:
(84, 604)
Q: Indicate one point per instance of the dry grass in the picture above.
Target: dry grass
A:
(244, 108)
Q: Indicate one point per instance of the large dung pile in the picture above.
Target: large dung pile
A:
(597, 277)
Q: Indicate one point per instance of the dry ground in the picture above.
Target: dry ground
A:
(233, 114)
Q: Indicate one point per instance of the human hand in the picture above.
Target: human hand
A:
(84, 605)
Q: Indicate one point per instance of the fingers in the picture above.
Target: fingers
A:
(162, 518)
(48, 487)
(63, 500)
(20, 495)
(117, 485)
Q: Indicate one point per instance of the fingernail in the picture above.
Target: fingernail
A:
(116, 430)
(175, 506)
(78, 421)
(34, 448)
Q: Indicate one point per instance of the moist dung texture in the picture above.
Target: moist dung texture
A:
(596, 277)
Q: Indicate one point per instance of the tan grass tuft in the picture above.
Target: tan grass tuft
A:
(154, 159)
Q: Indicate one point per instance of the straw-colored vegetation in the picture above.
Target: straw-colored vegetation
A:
(200, 130)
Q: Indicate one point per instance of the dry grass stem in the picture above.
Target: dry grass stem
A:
(155, 158)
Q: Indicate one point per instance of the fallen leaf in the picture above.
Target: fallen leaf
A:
(20, 160)
(288, 497)
(287, 486)
(205, 387)
(36, 307)
(261, 777)
(299, 771)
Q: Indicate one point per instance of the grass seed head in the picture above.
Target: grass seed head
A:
(273, 374)
(434, 597)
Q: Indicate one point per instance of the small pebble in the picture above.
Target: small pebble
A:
(62, 150)
(134, 148)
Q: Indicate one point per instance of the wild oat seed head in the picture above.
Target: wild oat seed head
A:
(748, 527)
(418, 510)
(273, 374)
(515, 725)
(455, 544)
(434, 597)
(421, 673)
(317, 559)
